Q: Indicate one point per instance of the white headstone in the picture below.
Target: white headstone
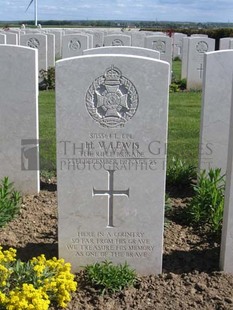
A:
(50, 50)
(74, 45)
(162, 44)
(184, 63)
(2, 38)
(98, 39)
(138, 38)
(127, 50)
(199, 35)
(224, 43)
(178, 44)
(196, 49)
(58, 42)
(117, 40)
(17, 32)
(216, 105)
(226, 253)
(11, 38)
(39, 42)
(111, 136)
(19, 157)
(231, 44)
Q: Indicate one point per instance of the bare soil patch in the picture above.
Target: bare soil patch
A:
(190, 280)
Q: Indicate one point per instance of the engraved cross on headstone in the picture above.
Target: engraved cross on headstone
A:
(200, 70)
(110, 192)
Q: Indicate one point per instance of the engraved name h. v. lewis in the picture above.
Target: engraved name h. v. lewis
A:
(112, 99)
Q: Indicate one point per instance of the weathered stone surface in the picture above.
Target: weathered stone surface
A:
(19, 156)
(111, 135)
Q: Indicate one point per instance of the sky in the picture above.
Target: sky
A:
(160, 10)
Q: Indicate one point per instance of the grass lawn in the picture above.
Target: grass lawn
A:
(183, 130)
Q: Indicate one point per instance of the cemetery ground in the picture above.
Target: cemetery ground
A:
(191, 278)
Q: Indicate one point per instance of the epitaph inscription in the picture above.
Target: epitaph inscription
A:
(109, 244)
(112, 99)
(110, 192)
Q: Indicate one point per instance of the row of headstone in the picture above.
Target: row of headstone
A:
(107, 147)
(72, 42)
(120, 114)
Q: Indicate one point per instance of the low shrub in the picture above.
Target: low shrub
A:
(180, 173)
(35, 284)
(207, 205)
(178, 85)
(9, 202)
(48, 78)
(109, 278)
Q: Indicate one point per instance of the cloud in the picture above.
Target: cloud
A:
(174, 10)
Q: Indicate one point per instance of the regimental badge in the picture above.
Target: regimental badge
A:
(202, 47)
(33, 42)
(159, 46)
(74, 45)
(112, 99)
(117, 42)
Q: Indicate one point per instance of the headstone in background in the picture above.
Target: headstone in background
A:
(58, 42)
(39, 42)
(216, 106)
(19, 156)
(111, 137)
(199, 35)
(231, 44)
(177, 45)
(226, 253)
(74, 45)
(117, 40)
(184, 63)
(11, 38)
(2, 38)
(196, 49)
(138, 38)
(17, 32)
(224, 43)
(127, 50)
(98, 38)
(162, 44)
(51, 49)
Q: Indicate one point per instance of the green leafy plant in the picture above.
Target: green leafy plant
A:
(9, 202)
(178, 85)
(207, 205)
(48, 78)
(180, 173)
(35, 284)
(109, 278)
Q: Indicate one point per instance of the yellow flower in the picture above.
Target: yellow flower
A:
(28, 298)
